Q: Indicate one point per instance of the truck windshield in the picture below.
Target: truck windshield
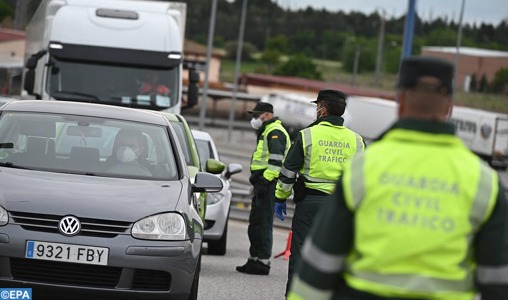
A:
(113, 84)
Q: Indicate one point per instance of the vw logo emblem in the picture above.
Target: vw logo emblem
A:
(69, 225)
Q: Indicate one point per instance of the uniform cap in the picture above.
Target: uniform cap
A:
(261, 107)
(330, 96)
(416, 67)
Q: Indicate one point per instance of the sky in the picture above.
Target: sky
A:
(475, 11)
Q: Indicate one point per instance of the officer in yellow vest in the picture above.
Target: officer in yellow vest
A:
(272, 144)
(317, 156)
(418, 216)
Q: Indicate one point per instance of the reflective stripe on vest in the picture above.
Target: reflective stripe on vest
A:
(326, 148)
(261, 155)
(439, 195)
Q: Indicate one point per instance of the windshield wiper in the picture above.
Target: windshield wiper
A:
(90, 97)
(9, 164)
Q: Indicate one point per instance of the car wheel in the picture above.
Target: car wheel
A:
(218, 247)
(195, 282)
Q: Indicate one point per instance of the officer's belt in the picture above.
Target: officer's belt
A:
(309, 191)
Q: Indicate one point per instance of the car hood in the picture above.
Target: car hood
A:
(86, 196)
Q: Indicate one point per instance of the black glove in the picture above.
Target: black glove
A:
(261, 186)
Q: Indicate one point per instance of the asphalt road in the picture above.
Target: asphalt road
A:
(220, 281)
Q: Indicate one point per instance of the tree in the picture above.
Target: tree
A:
(5, 10)
(248, 50)
(500, 82)
(271, 58)
(473, 85)
(299, 66)
(484, 84)
(279, 43)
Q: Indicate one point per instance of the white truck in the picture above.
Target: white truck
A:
(102, 50)
(296, 111)
(485, 133)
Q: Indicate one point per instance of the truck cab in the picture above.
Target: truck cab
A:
(126, 53)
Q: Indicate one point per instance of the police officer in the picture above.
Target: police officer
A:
(418, 216)
(272, 144)
(317, 156)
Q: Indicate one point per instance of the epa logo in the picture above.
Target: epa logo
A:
(16, 294)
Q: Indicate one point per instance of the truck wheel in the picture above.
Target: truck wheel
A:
(218, 247)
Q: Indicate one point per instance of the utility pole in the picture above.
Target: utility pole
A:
(19, 15)
(380, 45)
(409, 29)
(211, 32)
(459, 40)
(232, 110)
(356, 63)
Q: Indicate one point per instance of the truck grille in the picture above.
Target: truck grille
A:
(64, 273)
(49, 223)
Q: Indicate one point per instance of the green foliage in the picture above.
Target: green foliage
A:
(484, 84)
(299, 65)
(442, 37)
(473, 85)
(278, 43)
(6, 10)
(500, 82)
(271, 58)
(362, 51)
(248, 50)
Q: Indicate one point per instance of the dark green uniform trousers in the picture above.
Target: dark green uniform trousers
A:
(304, 215)
(260, 228)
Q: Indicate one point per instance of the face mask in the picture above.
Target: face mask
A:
(125, 154)
(256, 123)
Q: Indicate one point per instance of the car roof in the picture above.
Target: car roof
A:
(201, 135)
(85, 109)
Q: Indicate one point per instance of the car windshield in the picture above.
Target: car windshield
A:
(112, 84)
(86, 145)
(205, 150)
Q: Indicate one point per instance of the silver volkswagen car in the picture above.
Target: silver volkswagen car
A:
(97, 201)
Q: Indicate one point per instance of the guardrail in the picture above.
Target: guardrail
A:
(241, 203)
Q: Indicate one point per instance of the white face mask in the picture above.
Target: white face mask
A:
(125, 154)
(256, 123)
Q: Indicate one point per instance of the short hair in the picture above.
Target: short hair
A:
(334, 108)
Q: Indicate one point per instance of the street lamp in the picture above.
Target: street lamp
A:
(211, 31)
(237, 70)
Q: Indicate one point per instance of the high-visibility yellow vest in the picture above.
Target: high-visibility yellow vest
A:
(326, 148)
(261, 155)
(418, 199)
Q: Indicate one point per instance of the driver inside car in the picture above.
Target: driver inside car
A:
(130, 148)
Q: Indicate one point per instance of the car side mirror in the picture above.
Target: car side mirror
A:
(205, 182)
(214, 166)
(233, 168)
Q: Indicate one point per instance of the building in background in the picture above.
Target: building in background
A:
(12, 49)
(472, 61)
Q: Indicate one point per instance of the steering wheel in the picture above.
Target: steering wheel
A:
(129, 169)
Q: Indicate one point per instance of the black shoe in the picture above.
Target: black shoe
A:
(254, 267)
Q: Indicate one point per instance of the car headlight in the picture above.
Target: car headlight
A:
(4, 216)
(167, 226)
(212, 198)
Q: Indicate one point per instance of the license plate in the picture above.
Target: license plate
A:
(67, 253)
